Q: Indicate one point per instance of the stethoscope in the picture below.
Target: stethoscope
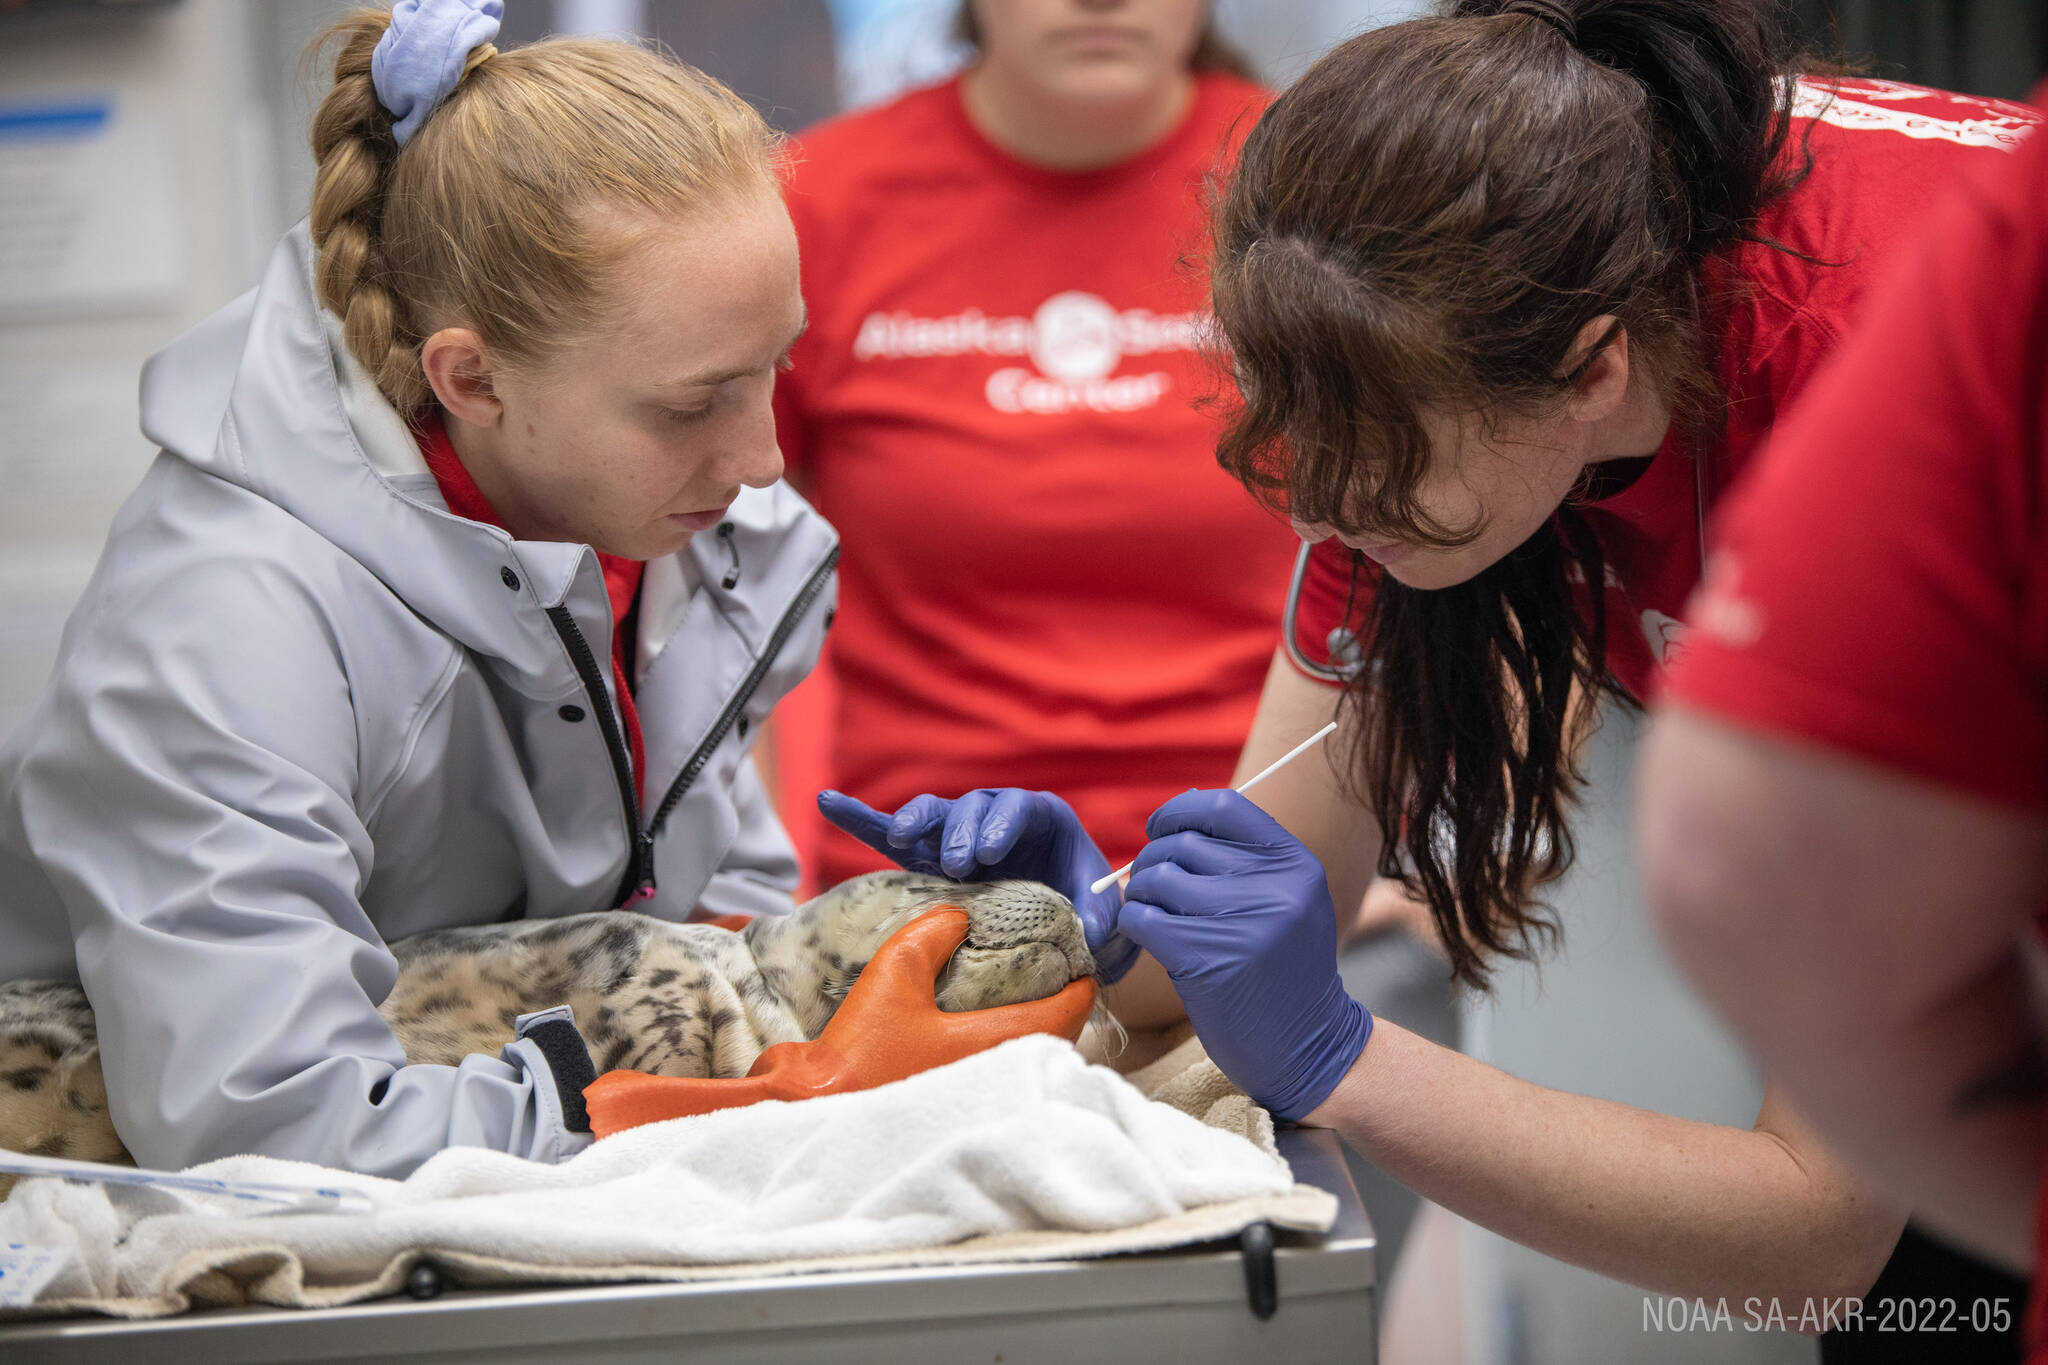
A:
(1340, 673)
(1699, 505)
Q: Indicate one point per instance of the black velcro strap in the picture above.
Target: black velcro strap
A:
(569, 1062)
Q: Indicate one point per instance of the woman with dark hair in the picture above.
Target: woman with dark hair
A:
(1513, 294)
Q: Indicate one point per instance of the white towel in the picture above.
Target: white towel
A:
(1021, 1152)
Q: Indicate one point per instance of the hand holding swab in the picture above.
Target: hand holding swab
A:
(1275, 766)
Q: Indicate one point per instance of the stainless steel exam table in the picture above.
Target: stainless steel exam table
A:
(1192, 1304)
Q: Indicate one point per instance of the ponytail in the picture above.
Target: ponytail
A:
(353, 152)
(1424, 223)
(1712, 72)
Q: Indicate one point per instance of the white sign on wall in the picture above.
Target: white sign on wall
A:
(87, 213)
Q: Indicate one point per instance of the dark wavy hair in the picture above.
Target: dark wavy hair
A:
(1425, 221)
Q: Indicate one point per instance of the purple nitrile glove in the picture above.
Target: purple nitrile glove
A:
(1239, 914)
(992, 833)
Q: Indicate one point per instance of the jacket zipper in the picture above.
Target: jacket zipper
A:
(639, 878)
(638, 881)
(783, 629)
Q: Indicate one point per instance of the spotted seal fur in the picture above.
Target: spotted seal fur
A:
(647, 994)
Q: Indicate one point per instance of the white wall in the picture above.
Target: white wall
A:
(69, 444)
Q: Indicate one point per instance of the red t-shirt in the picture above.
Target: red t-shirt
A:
(1879, 584)
(1882, 152)
(621, 576)
(1046, 579)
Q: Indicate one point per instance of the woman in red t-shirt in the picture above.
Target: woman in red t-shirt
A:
(1511, 295)
(998, 404)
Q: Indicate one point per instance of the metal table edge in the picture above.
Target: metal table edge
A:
(1308, 1264)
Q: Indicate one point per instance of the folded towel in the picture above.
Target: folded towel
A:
(1021, 1152)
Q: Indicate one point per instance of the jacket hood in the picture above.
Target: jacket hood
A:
(265, 395)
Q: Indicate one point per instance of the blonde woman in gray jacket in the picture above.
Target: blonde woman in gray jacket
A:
(459, 586)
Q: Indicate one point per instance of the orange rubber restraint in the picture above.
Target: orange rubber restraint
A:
(889, 1027)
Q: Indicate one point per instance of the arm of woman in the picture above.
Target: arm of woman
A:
(1238, 913)
(1678, 1206)
(758, 874)
(194, 809)
(1866, 932)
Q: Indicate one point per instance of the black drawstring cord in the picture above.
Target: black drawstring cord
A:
(732, 575)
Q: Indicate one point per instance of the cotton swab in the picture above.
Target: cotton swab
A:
(1275, 766)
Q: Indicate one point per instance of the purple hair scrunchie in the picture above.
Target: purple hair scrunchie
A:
(420, 58)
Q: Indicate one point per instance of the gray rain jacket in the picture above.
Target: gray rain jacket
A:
(302, 710)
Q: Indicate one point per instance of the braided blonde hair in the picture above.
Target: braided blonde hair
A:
(494, 215)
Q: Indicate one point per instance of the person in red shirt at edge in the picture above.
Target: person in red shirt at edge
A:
(1512, 295)
(1845, 793)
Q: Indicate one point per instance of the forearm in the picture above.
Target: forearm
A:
(1862, 931)
(269, 1045)
(1942, 1110)
(1673, 1205)
(351, 1113)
